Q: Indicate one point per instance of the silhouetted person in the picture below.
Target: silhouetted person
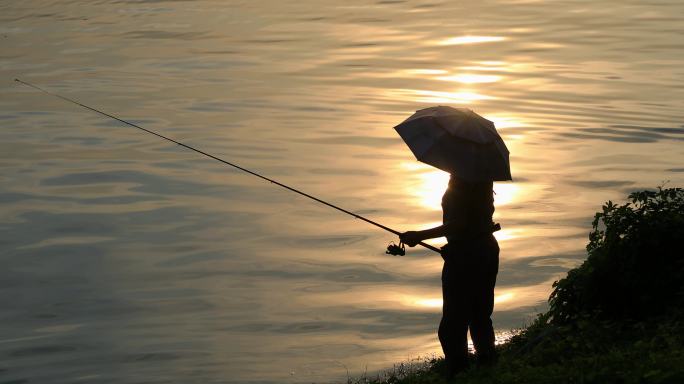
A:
(471, 262)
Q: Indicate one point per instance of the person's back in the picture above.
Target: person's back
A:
(471, 203)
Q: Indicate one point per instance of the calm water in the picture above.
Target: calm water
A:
(127, 260)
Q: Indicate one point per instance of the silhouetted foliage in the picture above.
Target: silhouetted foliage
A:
(635, 267)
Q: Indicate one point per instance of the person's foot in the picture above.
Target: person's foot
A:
(485, 359)
(453, 369)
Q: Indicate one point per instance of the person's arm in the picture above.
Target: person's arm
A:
(412, 238)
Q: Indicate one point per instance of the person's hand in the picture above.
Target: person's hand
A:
(410, 238)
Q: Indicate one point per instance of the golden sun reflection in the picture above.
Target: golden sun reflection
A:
(460, 40)
(497, 66)
(428, 303)
(470, 78)
(431, 186)
(425, 71)
(504, 297)
(441, 97)
(492, 63)
(432, 183)
(507, 234)
(436, 302)
(505, 193)
(505, 121)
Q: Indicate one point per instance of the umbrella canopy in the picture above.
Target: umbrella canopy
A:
(458, 141)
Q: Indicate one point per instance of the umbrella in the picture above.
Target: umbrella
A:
(458, 141)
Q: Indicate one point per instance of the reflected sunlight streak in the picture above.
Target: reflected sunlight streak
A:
(428, 303)
(440, 97)
(507, 234)
(470, 78)
(436, 302)
(431, 186)
(433, 182)
(460, 40)
(505, 193)
(505, 121)
(425, 71)
(504, 297)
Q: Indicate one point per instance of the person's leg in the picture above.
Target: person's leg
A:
(482, 333)
(453, 328)
(481, 329)
(453, 335)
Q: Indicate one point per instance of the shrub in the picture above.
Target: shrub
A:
(635, 264)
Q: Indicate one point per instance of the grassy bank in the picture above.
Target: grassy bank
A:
(617, 318)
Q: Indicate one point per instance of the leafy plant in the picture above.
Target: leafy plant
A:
(635, 267)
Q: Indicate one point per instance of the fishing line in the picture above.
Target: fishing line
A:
(390, 250)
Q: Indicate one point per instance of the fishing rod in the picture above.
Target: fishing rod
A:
(391, 249)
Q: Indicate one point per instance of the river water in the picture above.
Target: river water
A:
(126, 259)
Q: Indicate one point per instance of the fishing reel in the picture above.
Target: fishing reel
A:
(396, 250)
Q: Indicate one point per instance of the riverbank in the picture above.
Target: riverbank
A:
(617, 318)
(589, 352)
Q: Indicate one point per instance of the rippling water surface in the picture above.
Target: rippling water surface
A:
(127, 259)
